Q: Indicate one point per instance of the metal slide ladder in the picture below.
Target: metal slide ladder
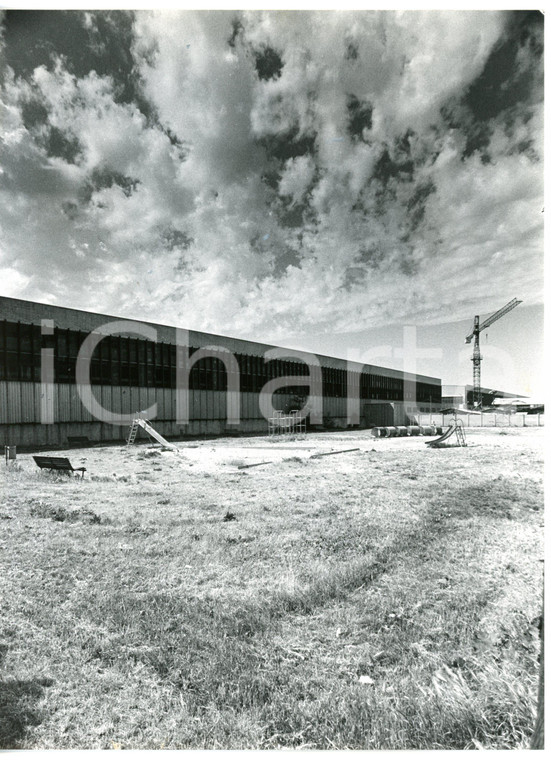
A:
(134, 427)
(138, 422)
(460, 433)
(455, 427)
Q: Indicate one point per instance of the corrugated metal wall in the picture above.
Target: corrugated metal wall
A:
(21, 404)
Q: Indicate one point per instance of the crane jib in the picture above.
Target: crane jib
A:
(499, 314)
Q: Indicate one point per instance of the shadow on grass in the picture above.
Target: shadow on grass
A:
(18, 709)
(497, 498)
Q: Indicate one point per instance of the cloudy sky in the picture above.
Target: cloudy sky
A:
(310, 179)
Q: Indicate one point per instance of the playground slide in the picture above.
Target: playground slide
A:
(154, 434)
(443, 437)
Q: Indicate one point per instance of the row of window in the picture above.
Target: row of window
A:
(121, 360)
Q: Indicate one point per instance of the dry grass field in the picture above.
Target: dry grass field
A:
(384, 598)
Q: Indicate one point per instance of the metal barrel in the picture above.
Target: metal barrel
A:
(402, 430)
(414, 430)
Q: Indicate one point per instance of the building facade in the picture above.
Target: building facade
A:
(67, 373)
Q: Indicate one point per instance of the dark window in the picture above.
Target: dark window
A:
(12, 343)
(74, 344)
(12, 366)
(158, 353)
(115, 348)
(159, 376)
(26, 335)
(141, 352)
(65, 370)
(26, 367)
(124, 349)
(95, 371)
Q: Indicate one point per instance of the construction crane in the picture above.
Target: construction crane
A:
(477, 357)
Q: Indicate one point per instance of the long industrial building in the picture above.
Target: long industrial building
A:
(137, 367)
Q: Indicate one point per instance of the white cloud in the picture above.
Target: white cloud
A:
(255, 266)
(13, 282)
(296, 178)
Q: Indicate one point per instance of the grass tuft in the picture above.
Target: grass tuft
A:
(60, 514)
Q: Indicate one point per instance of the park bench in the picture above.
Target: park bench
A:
(58, 463)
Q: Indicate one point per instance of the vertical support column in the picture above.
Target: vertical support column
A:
(352, 396)
(47, 377)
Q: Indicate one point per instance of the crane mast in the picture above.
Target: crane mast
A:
(477, 356)
(476, 359)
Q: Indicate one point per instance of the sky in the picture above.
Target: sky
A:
(326, 180)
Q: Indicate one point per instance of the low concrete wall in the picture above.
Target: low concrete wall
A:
(35, 435)
(486, 419)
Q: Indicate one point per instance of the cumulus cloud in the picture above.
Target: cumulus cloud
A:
(296, 177)
(292, 171)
